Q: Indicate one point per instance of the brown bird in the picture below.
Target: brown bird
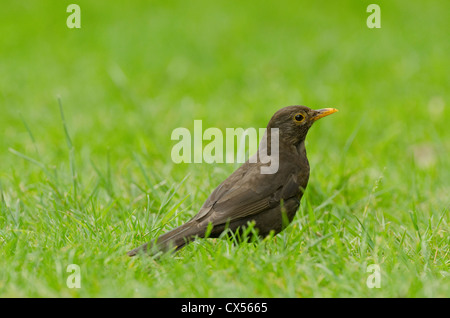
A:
(270, 200)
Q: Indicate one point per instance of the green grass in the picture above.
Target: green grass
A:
(84, 183)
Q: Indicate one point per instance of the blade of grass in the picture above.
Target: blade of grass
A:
(71, 152)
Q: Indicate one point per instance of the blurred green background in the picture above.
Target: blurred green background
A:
(135, 71)
(231, 65)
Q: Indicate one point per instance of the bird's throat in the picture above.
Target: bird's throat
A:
(301, 150)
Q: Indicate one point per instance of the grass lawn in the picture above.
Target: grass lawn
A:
(86, 184)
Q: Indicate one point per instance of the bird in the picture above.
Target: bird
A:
(269, 200)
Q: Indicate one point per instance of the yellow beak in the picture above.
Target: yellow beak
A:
(323, 112)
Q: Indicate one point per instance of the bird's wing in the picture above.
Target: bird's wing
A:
(248, 192)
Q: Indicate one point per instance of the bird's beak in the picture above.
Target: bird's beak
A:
(323, 112)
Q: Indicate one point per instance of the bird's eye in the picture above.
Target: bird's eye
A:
(299, 118)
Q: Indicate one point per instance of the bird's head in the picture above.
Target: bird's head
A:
(294, 122)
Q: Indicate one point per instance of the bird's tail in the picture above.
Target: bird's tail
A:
(172, 240)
